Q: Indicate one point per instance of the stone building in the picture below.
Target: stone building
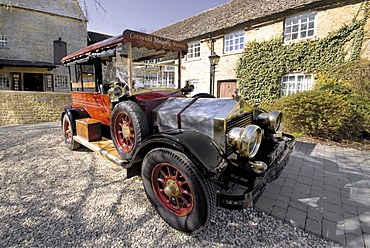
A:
(34, 36)
(224, 30)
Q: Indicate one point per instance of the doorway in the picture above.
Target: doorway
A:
(33, 82)
(226, 89)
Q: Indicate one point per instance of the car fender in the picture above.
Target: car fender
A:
(198, 147)
(74, 113)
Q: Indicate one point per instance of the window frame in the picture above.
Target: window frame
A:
(3, 41)
(194, 50)
(5, 82)
(295, 25)
(286, 88)
(232, 37)
(61, 85)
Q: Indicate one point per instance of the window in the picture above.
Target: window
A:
(61, 81)
(234, 41)
(194, 50)
(60, 51)
(4, 80)
(300, 27)
(3, 41)
(295, 82)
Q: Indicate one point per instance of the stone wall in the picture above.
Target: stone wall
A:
(22, 107)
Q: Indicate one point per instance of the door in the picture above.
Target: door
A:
(33, 82)
(226, 89)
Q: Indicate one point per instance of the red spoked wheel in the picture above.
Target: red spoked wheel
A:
(128, 128)
(125, 132)
(177, 189)
(68, 132)
(172, 189)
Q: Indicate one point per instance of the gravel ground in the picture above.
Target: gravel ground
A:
(51, 196)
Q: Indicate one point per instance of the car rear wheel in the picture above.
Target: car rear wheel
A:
(128, 127)
(68, 132)
(177, 190)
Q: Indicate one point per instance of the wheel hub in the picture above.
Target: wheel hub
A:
(126, 132)
(171, 189)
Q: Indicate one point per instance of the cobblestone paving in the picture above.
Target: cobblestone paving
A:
(326, 191)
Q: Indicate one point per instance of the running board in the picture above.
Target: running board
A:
(104, 147)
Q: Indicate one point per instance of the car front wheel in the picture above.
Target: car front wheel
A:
(177, 190)
(128, 127)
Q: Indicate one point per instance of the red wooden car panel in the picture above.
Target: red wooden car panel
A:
(97, 105)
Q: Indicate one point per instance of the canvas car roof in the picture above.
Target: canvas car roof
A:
(137, 39)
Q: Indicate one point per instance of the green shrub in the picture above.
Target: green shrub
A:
(352, 82)
(319, 114)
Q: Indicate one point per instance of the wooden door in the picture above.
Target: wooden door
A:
(226, 89)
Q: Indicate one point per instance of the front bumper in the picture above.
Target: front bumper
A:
(244, 189)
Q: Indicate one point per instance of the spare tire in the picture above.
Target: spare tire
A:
(128, 128)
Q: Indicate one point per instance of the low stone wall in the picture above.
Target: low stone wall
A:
(26, 107)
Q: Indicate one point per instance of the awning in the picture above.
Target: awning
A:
(24, 63)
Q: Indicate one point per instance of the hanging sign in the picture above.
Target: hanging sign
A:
(16, 81)
(49, 82)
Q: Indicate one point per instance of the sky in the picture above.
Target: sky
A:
(114, 16)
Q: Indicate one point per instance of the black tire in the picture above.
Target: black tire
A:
(68, 132)
(128, 128)
(177, 190)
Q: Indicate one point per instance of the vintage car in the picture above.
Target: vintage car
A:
(193, 153)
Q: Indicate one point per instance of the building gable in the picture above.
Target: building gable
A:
(65, 8)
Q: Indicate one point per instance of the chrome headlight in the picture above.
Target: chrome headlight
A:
(276, 118)
(115, 93)
(272, 121)
(246, 140)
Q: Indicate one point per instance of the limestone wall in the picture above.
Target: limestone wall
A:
(22, 107)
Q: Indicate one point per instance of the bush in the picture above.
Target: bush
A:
(319, 114)
(352, 82)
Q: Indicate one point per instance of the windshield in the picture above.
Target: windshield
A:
(128, 62)
(149, 68)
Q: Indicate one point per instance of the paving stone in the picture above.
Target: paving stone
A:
(336, 217)
(313, 226)
(301, 205)
(305, 180)
(329, 189)
(314, 214)
(354, 240)
(302, 188)
(349, 209)
(271, 195)
(278, 212)
(265, 204)
(296, 217)
(332, 181)
(367, 240)
(296, 195)
(307, 169)
(330, 231)
(334, 201)
(305, 174)
(318, 182)
(282, 203)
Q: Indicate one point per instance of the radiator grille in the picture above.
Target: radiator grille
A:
(240, 121)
